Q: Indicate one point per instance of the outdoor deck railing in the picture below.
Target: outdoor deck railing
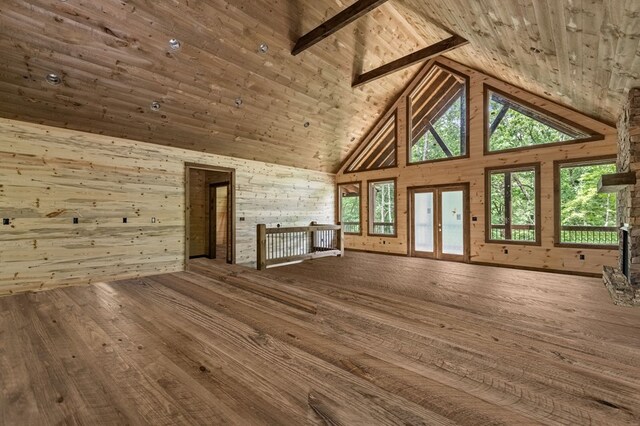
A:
(351, 227)
(284, 245)
(383, 228)
(596, 235)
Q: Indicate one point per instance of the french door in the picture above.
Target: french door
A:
(439, 224)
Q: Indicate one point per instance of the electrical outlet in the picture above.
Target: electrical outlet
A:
(75, 220)
(6, 221)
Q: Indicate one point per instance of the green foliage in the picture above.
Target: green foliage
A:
(518, 130)
(450, 128)
(522, 203)
(350, 212)
(581, 204)
(384, 207)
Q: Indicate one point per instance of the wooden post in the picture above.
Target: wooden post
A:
(312, 238)
(341, 241)
(261, 262)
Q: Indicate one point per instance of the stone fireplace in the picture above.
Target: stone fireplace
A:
(623, 281)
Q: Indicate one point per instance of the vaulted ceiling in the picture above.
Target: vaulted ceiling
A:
(115, 60)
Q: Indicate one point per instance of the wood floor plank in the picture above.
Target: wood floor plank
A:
(273, 353)
(377, 336)
(364, 339)
(442, 398)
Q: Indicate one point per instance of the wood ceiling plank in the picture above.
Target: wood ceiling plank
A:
(115, 58)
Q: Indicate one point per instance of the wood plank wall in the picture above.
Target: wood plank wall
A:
(471, 170)
(50, 175)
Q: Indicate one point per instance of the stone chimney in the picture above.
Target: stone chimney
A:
(623, 282)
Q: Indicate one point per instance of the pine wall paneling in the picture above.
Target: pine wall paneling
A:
(471, 170)
(48, 176)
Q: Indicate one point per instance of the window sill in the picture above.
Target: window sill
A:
(588, 246)
(438, 160)
(383, 235)
(514, 242)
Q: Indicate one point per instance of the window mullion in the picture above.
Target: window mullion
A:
(507, 205)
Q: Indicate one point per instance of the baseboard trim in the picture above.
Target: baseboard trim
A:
(496, 265)
(376, 252)
(534, 269)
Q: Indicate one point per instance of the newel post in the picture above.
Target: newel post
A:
(312, 237)
(341, 240)
(261, 261)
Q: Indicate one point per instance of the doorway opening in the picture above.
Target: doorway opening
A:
(210, 213)
(439, 222)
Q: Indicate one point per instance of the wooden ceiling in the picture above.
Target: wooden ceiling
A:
(115, 60)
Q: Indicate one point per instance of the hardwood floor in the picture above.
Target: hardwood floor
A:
(366, 339)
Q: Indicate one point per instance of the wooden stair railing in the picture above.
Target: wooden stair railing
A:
(284, 245)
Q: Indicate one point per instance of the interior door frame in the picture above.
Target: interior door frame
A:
(437, 190)
(231, 204)
(213, 220)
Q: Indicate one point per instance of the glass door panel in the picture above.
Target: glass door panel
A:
(452, 213)
(423, 222)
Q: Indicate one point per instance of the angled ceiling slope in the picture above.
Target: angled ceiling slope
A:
(115, 60)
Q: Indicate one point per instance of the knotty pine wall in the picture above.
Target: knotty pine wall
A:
(50, 175)
(471, 170)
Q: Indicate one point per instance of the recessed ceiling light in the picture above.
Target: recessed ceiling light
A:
(263, 48)
(238, 102)
(174, 44)
(53, 78)
(155, 106)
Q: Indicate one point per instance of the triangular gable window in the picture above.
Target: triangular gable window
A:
(438, 115)
(380, 151)
(513, 125)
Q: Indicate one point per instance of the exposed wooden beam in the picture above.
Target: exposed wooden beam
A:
(324, 30)
(429, 52)
(616, 182)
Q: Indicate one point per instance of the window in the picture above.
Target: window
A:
(514, 125)
(382, 207)
(438, 117)
(349, 207)
(379, 149)
(513, 206)
(585, 217)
